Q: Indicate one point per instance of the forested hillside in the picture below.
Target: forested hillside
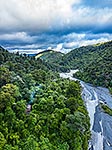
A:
(97, 68)
(49, 55)
(93, 61)
(52, 59)
(39, 110)
(83, 56)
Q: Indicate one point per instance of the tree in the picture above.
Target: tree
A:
(5, 76)
(72, 104)
(5, 100)
(12, 89)
(10, 117)
(2, 141)
(30, 144)
(73, 89)
(8, 95)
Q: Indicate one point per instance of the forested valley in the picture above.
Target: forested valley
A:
(41, 111)
(57, 118)
(93, 61)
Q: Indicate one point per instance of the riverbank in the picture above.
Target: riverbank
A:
(101, 122)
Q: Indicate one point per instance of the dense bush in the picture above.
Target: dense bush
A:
(57, 120)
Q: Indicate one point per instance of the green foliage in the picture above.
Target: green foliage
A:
(106, 109)
(8, 94)
(94, 63)
(52, 60)
(58, 119)
(5, 76)
(110, 89)
(49, 55)
(97, 65)
(2, 141)
(73, 89)
(11, 89)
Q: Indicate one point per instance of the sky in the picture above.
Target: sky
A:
(31, 26)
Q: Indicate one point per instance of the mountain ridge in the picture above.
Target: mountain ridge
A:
(93, 61)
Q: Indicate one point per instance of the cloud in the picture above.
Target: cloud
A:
(77, 40)
(40, 16)
(34, 25)
(61, 43)
(20, 36)
(59, 47)
(33, 14)
(27, 51)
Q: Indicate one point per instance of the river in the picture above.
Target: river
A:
(101, 123)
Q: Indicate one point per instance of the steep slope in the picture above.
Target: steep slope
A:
(80, 57)
(52, 60)
(93, 61)
(97, 68)
(49, 55)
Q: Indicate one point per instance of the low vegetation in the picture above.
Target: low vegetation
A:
(106, 109)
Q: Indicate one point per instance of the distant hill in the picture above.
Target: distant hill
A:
(93, 61)
(96, 65)
(49, 55)
(80, 57)
(52, 59)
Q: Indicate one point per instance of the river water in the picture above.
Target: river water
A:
(101, 123)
